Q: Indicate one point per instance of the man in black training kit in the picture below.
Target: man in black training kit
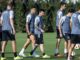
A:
(8, 32)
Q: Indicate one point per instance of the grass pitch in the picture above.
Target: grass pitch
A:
(49, 44)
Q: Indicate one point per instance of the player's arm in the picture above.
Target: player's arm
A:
(27, 26)
(60, 16)
(12, 21)
(1, 19)
(36, 25)
(60, 24)
(79, 18)
(71, 23)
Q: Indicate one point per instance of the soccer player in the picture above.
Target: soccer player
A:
(39, 32)
(59, 15)
(75, 31)
(0, 32)
(30, 19)
(65, 30)
(8, 31)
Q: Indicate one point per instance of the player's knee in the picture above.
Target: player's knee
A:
(32, 37)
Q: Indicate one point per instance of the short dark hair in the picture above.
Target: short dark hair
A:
(32, 7)
(9, 4)
(41, 10)
(62, 3)
(71, 10)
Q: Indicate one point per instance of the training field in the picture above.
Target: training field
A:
(49, 39)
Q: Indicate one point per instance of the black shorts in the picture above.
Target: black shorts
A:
(58, 33)
(67, 36)
(75, 39)
(39, 40)
(0, 36)
(6, 35)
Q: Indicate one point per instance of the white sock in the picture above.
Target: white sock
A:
(22, 50)
(56, 51)
(68, 58)
(65, 51)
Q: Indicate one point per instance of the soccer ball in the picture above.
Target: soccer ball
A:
(77, 46)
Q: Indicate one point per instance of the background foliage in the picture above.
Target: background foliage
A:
(21, 9)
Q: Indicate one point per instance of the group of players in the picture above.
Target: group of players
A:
(34, 29)
(67, 26)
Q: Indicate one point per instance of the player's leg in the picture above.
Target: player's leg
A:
(21, 53)
(0, 41)
(33, 38)
(70, 51)
(73, 43)
(57, 43)
(44, 55)
(42, 49)
(69, 44)
(0, 46)
(65, 48)
(30, 39)
(14, 50)
(79, 45)
(25, 46)
(41, 43)
(65, 44)
(4, 43)
(13, 42)
(27, 43)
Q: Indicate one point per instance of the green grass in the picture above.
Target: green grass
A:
(49, 39)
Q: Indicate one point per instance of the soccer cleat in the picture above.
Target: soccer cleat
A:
(58, 55)
(73, 53)
(18, 58)
(45, 56)
(35, 55)
(2, 58)
(22, 55)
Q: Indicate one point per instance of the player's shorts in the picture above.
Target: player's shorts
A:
(6, 35)
(75, 38)
(67, 36)
(39, 40)
(0, 36)
(58, 33)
